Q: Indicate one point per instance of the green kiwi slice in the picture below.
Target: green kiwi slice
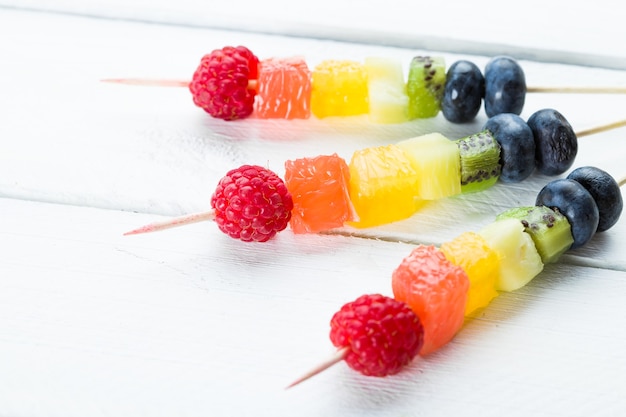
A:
(425, 86)
(549, 229)
(480, 161)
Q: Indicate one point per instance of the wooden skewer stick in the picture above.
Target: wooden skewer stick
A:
(153, 82)
(175, 222)
(338, 356)
(601, 128)
(577, 90)
(156, 82)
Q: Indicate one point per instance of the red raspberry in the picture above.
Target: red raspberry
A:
(382, 334)
(251, 203)
(220, 83)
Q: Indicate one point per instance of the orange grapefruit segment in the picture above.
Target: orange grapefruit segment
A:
(319, 188)
(284, 89)
(436, 290)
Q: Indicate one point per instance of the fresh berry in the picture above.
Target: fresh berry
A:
(436, 290)
(604, 190)
(505, 86)
(575, 203)
(556, 144)
(252, 204)
(517, 146)
(220, 84)
(382, 334)
(463, 92)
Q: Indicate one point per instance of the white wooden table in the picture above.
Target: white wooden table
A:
(189, 322)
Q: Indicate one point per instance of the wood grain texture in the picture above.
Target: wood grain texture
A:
(582, 33)
(188, 322)
(193, 322)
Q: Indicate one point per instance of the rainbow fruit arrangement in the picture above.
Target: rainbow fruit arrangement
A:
(384, 184)
(434, 288)
(232, 83)
(376, 334)
(388, 183)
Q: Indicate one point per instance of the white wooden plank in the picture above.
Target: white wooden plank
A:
(190, 322)
(582, 33)
(73, 139)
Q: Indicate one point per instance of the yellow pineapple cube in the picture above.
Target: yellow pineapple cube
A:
(480, 262)
(382, 185)
(339, 88)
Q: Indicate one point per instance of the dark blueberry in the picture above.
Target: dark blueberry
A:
(604, 190)
(574, 202)
(505, 86)
(556, 144)
(463, 92)
(517, 146)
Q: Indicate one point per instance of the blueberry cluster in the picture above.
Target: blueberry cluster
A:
(503, 88)
(589, 197)
(546, 142)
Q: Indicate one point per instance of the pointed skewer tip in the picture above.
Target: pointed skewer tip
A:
(338, 356)
(175, 222)
(156, 82)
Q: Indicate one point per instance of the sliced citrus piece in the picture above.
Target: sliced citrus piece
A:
(319, 188)
(284, 89)
(436, 290)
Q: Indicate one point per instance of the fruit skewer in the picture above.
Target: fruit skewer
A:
(161, 82)
(324, 193)
(232, 83)
(436, 288)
